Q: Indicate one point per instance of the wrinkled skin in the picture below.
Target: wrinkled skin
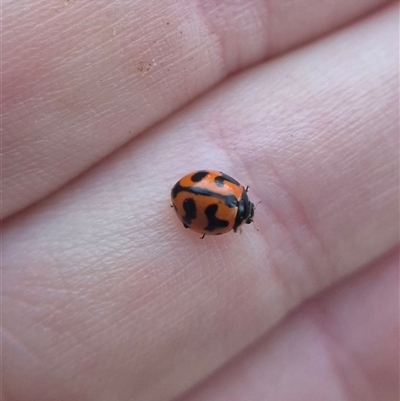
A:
(105, 296)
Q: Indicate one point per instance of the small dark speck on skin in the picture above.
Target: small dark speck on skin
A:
(167, 23)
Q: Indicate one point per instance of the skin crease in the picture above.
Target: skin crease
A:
(75, 72)
(320, 351)
(106, 297)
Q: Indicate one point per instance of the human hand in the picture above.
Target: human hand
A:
(105, 295)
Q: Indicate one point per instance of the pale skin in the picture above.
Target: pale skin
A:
(105, 296)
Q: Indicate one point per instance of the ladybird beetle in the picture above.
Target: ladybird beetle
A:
(210, 202)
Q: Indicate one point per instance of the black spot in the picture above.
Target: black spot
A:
(189, 206)
(176, 189)
(231, 201)
(219, 180)
(185, 225)
(197, 177)
(214, 222)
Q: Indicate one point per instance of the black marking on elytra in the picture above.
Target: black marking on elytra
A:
(214, 223)
(229, 200)
(176, 189)
(189, 206)
(197, 177)
(185, 225)
(219, 180)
